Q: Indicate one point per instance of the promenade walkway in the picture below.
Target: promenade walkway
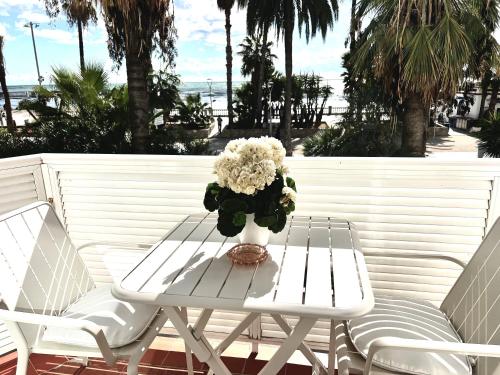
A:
(455, 145)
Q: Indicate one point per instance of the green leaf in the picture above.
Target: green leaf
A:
(277, 186)
(233, 205)
(290, 208)
(280, 221)
(265, 221)
(239, 219)
(225, 225)
(211, 193)
(290, 182)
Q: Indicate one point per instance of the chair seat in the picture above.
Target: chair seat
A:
(407, 319)
(122, 322)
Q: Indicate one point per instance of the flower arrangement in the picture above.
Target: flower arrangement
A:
(251, 179)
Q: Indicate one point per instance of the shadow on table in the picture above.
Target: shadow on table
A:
(258, 281)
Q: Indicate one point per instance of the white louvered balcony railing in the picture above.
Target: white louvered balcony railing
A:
(402, 205)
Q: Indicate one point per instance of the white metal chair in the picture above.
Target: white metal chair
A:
(471, 309)
(50, 303)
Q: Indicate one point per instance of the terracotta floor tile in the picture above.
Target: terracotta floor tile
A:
(52, 364)
(8, 359)
(253, 366)
(156, 362)
(101, 366)
(177, 360)
(154, 357)
(235, 365)
(292, 369)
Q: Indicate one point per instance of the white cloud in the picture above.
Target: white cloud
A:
(20, 3)
(115, 76)
(202, 20)
(20, 78)
(23, 3)
(36, 17)
(6, 6)
(5, 32)
(58, 36)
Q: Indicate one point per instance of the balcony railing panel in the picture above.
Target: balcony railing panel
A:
(21, 183)
(403, 205)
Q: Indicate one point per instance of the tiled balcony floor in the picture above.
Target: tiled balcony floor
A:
(155, 362)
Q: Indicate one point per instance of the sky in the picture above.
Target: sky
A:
(201, 44)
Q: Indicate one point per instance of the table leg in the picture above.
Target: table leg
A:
(244, 324)
(342, 351)
(236, 332)
(187, 349)
(332, 349)
(146, 340)
(202, 321)
(197, 342)
(291, 344)
(308, 353)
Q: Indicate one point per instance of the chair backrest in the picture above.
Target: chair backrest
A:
(473, 303)
(41, 270)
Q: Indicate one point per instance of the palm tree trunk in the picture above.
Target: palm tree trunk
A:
(11, 127)
(352, 31)
(485, 83)
(137, 70)
(494, 96)
(80, 44)
(229, 66)
(286, 137)
(262, 67)
(414, 126)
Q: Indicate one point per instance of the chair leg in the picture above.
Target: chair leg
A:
(132, 367)
(23, 358)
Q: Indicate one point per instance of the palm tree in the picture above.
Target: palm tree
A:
(495, 86)
(11, 127)
(486, 52)
(265, 55)
(226, 6)
(135, 29)
(79, 12)
(257, 62)
(312, 15)
(419, 49)
(352, 27)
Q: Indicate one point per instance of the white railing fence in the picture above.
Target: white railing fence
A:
(405, 205)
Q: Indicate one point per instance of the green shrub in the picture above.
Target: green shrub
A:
(354, 140)
(175, 141)
(193, 114)
(89, 116)
(490, 136)
(17, 145)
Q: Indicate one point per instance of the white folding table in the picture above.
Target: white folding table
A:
(316, 270)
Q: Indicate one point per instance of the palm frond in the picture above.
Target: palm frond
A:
(417, 46)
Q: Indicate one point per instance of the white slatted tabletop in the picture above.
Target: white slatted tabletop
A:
(316, 269)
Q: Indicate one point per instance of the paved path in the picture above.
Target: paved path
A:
(455, 145)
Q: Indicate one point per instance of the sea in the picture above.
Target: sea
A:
(216, 91)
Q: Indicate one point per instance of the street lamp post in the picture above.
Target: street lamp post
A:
(209, 81)
(30, 25)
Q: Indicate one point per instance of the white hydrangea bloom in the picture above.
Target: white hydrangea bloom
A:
(247, 166)
(288, 195)
(278, 151)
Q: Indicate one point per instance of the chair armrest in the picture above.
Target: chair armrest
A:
(388, 343)
(62, 322)
(114, 244)
(414, 256)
